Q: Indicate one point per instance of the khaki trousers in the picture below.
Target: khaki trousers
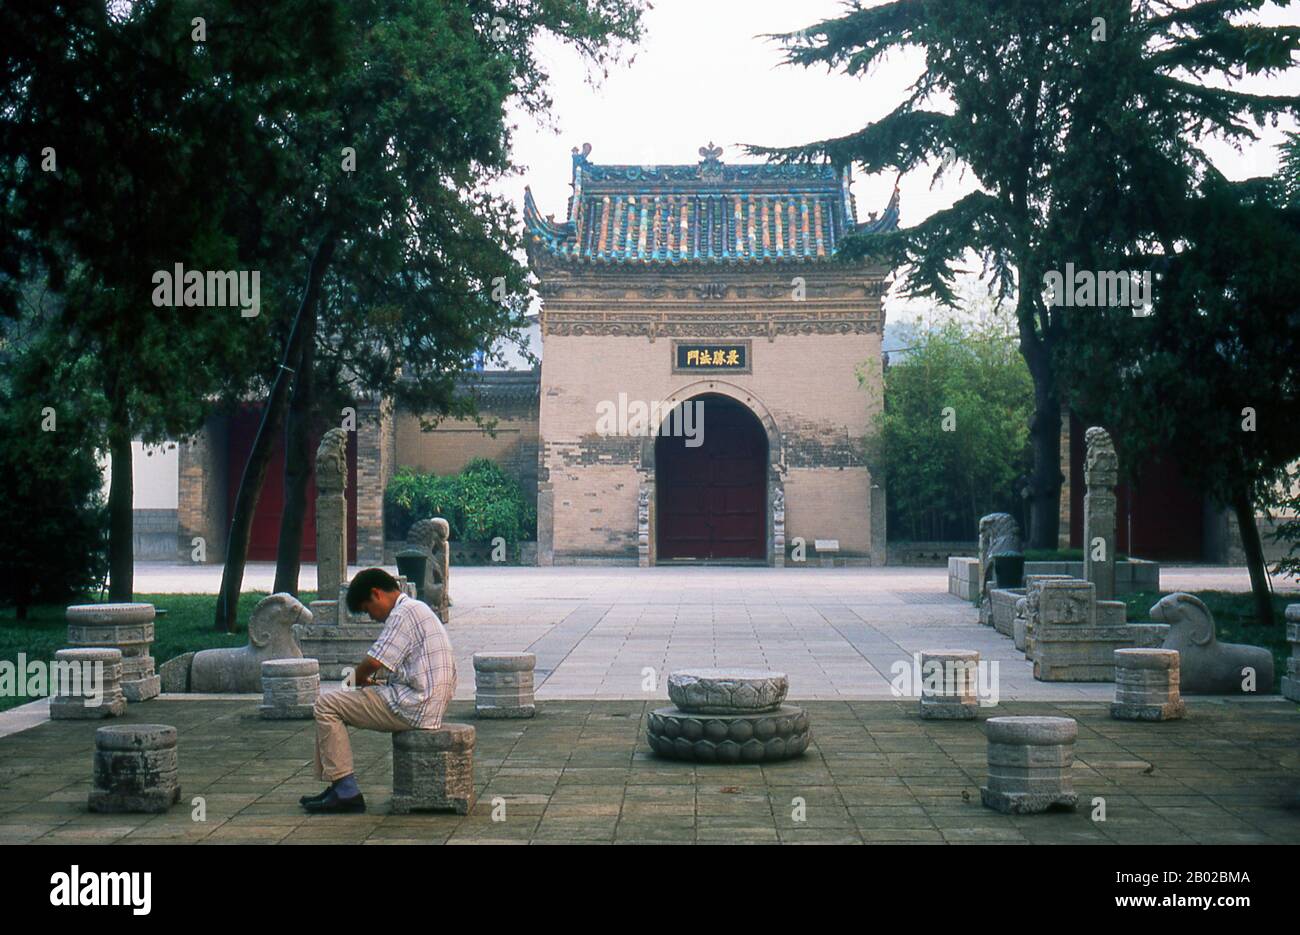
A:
(335, 712)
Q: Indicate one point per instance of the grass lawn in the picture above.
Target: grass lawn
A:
(187, 626)
(1234, 618)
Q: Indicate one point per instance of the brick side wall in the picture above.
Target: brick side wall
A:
(201, 493)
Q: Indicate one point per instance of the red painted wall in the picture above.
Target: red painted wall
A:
(266, 519)
(1161, 509)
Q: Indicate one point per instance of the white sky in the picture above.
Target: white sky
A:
(703, 73)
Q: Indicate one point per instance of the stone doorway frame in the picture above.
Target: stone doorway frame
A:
(647, 546)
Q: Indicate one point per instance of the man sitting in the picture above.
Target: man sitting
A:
(415, 650)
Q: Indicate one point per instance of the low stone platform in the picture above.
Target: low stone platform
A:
(754, 737)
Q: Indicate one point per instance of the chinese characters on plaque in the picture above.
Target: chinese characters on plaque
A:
(712, 357)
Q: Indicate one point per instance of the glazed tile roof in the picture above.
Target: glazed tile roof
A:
(709, 212)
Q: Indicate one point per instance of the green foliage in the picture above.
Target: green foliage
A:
(52, 516)
(480, 503)
(941, 481)
(1083, 148)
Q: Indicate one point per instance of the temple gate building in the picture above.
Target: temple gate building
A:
(711, 291)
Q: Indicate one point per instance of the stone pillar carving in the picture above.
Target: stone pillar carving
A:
(1291, 681)
(778, 524)
(1100, 473)
(644, 496)
(331, 512)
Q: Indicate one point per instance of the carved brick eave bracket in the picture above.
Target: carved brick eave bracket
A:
(722, 324)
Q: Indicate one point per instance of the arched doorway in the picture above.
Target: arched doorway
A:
(711, 497)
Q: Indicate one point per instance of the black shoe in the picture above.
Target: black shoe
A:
(318, 797)
(332, 804)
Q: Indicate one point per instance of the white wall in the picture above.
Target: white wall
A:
(155, 471)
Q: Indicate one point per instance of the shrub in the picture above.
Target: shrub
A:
(53, 524)
(480, 503)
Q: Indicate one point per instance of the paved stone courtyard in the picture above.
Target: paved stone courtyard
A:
(581, 772)
(595, 631)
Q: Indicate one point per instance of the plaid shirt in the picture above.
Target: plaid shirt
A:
(414, 646)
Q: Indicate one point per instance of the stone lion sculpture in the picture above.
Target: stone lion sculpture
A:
(332, 460)
(1206, 666)
(431, 535)
(270, 636)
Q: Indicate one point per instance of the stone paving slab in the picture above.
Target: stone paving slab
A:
(581, 772)
(598, 632)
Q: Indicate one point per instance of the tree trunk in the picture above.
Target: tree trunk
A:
(121, 550)
(259, 458)
(1044, 436)
(297, 468)
(1260, 586)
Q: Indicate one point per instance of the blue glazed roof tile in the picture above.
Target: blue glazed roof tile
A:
(709, 212)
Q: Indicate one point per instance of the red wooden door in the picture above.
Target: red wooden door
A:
(265, 534)
(711, 500)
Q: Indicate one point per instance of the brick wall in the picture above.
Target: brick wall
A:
(201, 493)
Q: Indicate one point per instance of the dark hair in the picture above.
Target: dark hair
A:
(366, 581)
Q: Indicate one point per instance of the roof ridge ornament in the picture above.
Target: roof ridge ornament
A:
(710, 164)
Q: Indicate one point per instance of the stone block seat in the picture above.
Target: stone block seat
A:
(503, 685)
(1029, 764)
(135, 769)
(1146, 685)
(290, 688)
(87, 684)
(948, 684)
(434, 769)
(728, 716)
(126, 627)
